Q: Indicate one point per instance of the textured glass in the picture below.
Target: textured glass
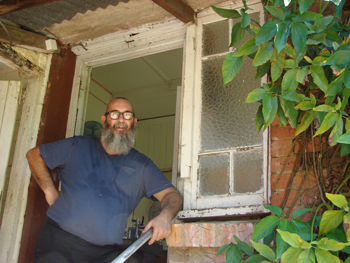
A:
(214, 175)
(215, 38)
(248, 172)
(227, 121)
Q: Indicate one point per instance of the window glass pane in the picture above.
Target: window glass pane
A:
(227, 121)
(248, 172)
(214, 175)
(215, 38)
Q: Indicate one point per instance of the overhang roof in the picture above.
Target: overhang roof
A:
(70, 21)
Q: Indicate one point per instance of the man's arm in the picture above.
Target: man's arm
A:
(42, 176)
(171, 201)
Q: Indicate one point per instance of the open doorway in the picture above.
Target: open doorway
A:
(151, 83)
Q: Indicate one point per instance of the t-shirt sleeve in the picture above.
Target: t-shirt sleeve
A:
(154, 180)
(56, 154)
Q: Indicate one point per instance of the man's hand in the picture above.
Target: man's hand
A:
(171, 201)
(161, 228)
(51, 194)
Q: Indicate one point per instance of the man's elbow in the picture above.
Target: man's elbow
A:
(33, 153)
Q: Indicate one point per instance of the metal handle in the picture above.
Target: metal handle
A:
(134, 247)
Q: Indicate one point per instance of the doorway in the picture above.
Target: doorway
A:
(151, 83)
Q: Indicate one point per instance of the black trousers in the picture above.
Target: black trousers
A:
(58, 246)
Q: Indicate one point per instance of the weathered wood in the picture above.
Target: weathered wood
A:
(16, 5)
(23, 38)
(178, 9)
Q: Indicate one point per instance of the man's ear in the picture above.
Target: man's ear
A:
(135, 121)
(103, 118)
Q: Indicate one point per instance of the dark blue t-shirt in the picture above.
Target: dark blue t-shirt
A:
(99, 191)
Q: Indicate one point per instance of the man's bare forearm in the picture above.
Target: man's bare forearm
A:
(171, 204)
(41, 174)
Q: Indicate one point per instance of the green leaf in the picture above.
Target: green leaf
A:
(267, 31)
(289, 82)
(307, 256)
(300, 212)
(256, 95)
(265, 227)
(324, 256)
(243, 246)
(324, 108)
(291, 255)
(275, 11)
(319, 77)
(344, 149)
(338, 58)
(316, 39)
(290, 51)
(277, 63)
(233, 254)
(228, 13)
(336, 132)
(308, 104)
(289, 111)
(299, 36)
(264, 250)
(283, 32)
(307, 16)
(275, 209)
(347, 75)
(290, 64)
(281, 245)
(237, 34)
(264, 54)
(293, 240)
(262, 70)
(345, 138)
(247, 48)
(333, 36)
(301, 74)
(331, 244)
(336, 86)
(222, 249)
(346, 95)
(245, 20)
(322, 23)
(319, 60)
(338, 200)
(338, 9)
(327, 122)
(259, 119)
(304, 5)
(270, 105)
(330, 219)
(255, 259)
(280, 115)
(231, 66)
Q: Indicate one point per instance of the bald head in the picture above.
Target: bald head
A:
(119, 100)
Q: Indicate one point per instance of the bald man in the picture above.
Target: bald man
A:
(102, 181)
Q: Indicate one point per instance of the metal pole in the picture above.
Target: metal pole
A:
(134, 247)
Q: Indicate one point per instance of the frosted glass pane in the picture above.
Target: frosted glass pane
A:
(215, 38)
(214, 175)
(248, 172)
(227, 121)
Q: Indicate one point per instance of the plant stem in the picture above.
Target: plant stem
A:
(313, 220)
(342, 183)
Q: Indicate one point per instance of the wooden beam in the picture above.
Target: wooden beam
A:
(23, 38)
(177, 8)
(16, 5)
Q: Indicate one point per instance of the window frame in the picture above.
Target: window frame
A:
(215, 206)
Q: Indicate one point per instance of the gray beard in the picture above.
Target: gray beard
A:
(118, 141)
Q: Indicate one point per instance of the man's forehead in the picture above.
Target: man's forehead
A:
(120, 104)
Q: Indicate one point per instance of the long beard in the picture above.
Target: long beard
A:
(118, 141)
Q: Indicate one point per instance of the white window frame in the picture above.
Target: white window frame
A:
(216, 206)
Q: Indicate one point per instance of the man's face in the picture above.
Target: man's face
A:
(119, 124)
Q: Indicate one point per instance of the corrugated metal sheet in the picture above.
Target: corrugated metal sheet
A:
(40, 17)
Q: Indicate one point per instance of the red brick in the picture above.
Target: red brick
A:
(280, 148)
(310, 179)
(275, 122)
(277, 164)
(192, 231)
(277, 197)
(309, 197)
(282, 182)
(280, 133)
(207, 235)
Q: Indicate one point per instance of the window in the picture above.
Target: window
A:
(223, 159)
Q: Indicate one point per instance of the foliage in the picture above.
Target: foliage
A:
(307, 55)
(325, 238)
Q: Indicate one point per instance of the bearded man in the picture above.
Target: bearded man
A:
(102, 181)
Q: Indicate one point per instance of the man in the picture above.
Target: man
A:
(102, 181)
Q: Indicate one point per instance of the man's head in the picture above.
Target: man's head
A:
(118, 134)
